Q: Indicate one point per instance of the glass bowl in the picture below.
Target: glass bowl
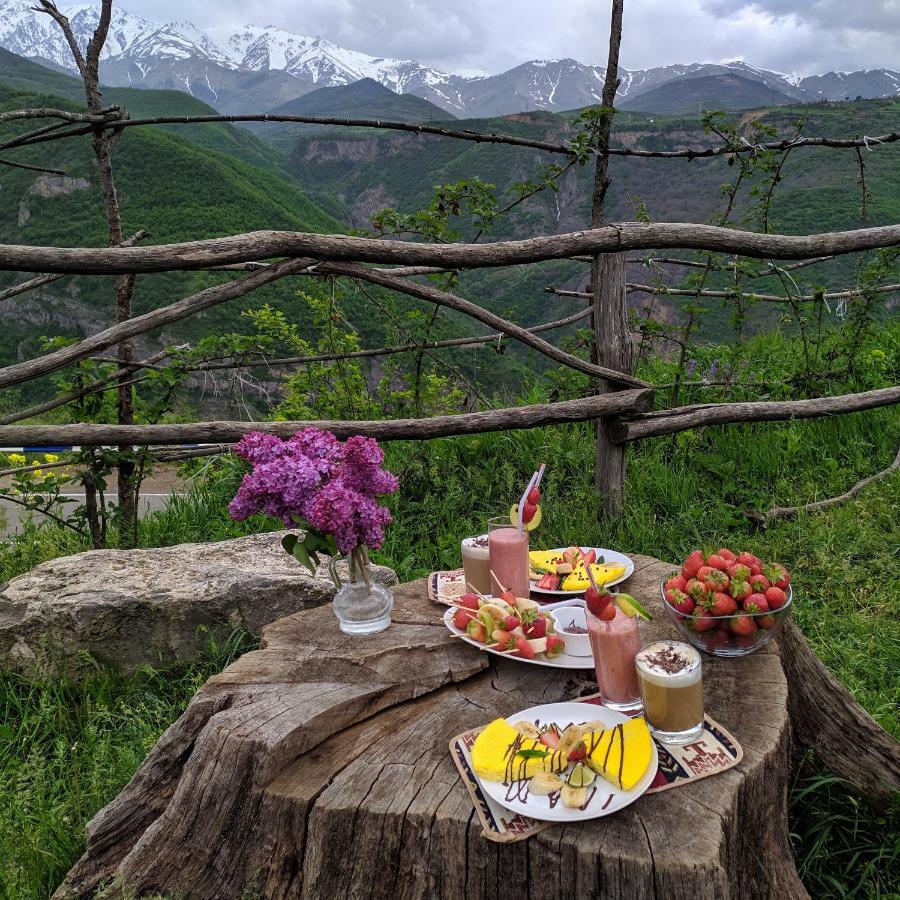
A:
(714, 634)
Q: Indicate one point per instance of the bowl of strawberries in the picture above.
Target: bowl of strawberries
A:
(727, 604)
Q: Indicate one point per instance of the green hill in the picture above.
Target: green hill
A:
(818, 192)
(22, 75)
(169, 185)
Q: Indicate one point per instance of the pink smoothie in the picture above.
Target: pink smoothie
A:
(508, 550)
(615, 644)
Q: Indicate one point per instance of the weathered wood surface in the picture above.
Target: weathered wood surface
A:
(681, 418)
(318, 767)
(386, 430)
(614, 238)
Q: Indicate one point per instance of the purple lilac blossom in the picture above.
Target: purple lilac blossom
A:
(317, 478)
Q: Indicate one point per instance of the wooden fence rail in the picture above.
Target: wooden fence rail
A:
(614, 238)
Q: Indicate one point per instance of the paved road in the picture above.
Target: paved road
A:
(12, 516)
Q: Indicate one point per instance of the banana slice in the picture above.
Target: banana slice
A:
(570, 738)
(581, 776)
(529, 729)
(544, 783)
(573, 797)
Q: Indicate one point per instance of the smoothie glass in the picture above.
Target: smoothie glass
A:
(508, 552)
(476, 563)
(615, 644)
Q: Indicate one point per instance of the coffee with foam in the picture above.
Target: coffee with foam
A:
(670, 678)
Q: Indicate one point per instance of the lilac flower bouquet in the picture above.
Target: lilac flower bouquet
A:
(325, 486)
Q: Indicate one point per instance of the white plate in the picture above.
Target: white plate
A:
(610, 557)
(608, 798)
(563, 661)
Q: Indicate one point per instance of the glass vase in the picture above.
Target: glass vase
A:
(362, 605)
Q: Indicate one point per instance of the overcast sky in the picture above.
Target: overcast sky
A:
(805, 36)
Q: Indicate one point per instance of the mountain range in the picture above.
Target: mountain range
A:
(261, 68)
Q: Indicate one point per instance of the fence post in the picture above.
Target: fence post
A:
(614, 349)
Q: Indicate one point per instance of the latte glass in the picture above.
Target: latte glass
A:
(670, 676)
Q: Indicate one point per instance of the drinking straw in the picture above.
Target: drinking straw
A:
(534, 481)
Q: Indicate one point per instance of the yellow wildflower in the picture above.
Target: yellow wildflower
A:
(16, 459)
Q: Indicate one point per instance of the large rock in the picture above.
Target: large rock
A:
(156, 607)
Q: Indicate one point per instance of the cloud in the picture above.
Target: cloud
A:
(491, 36)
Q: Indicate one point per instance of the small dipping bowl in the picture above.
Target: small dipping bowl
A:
(565, 617)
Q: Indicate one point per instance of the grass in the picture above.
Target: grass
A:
(66, 750)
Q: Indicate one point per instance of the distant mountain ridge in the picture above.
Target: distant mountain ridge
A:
(263, 67)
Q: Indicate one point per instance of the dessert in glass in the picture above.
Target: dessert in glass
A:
(476, 563)
(615, 642)
(670, 675)
(508, 558)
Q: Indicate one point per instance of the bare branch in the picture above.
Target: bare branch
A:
(59, 359)
(476, 136)
(669, 421)
(729, 295)
(611, 238)
(443, 298)
(20, 165)
(788, 512)
(504, 419)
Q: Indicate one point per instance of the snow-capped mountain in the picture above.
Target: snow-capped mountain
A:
(265, 66)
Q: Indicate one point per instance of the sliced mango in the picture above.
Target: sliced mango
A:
(500, 752)
(603, 574)
(621, 754)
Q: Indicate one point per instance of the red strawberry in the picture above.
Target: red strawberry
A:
(536, 628)
(679, 582)
(680, 601)
(534, 496)
(608, 614)
(508, 597)
(511, 623)
(756, 569)
(740, 590)
(555, 646)
(717, 562)
(742, 625)
(468, 601)
(596, 602)
(703, 571)
(759, 583)
(528, 511)
(765, 621)
(503, 638)
(550, 738)
(722, 605)
(703, 622)
(756, 603)
(716, 581)
(727, 555)
(776, 597)
(693, 563)
(778, 575)
(739, 572)
(462, 617)
(746, 640)
(475, 629)
(578, 752)
(696, 590)
(716, 639)
(747, 559)
(757, 600)
(524, 649)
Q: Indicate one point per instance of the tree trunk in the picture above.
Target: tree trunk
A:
(319, 766)
(612, 340)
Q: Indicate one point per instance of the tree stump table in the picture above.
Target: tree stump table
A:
(318, 766)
